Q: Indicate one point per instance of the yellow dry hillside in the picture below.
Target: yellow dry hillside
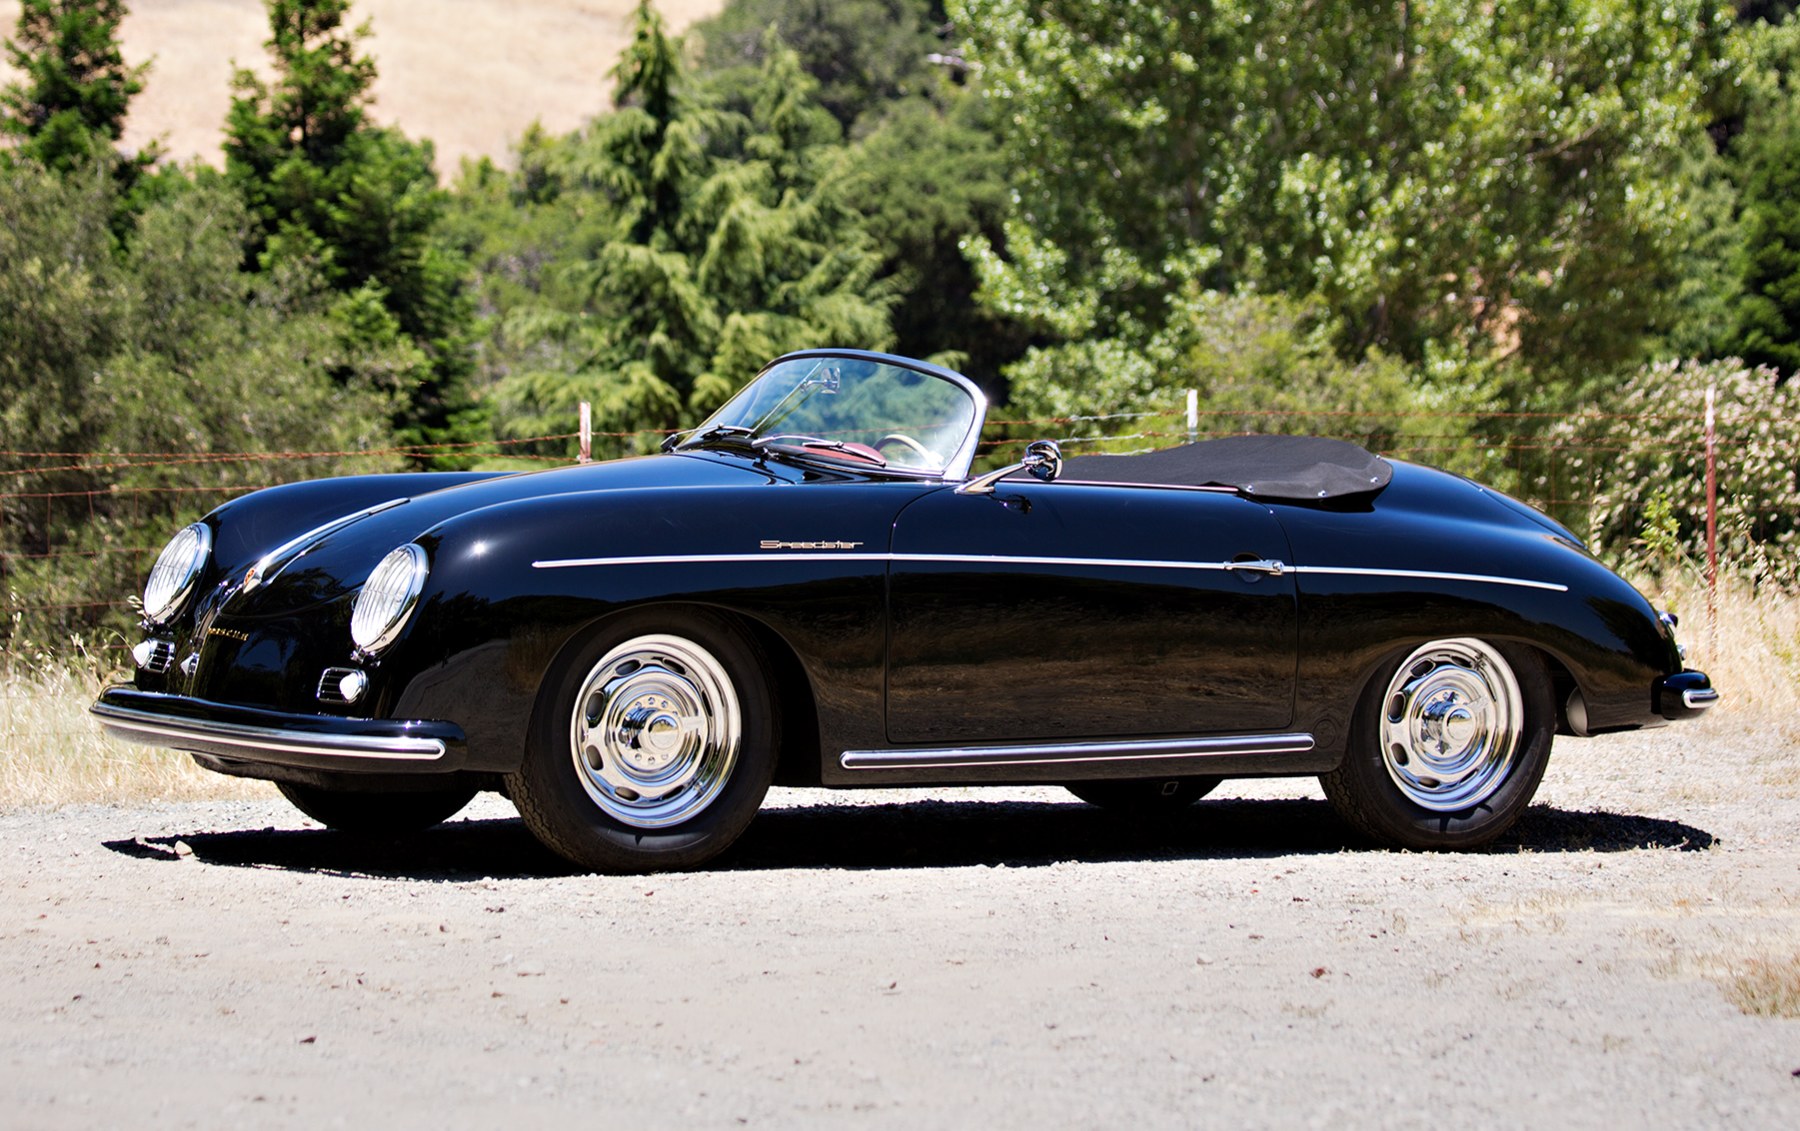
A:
(470, 75)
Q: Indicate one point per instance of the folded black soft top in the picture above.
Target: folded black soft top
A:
(1264, 467)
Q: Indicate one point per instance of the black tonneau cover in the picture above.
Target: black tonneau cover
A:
(1263, 467)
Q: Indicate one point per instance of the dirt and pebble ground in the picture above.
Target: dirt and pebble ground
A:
(998, 958)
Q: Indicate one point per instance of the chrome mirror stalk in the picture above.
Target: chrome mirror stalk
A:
(1043, 461)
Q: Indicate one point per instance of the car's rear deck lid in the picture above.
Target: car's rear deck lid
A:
(1263, 467)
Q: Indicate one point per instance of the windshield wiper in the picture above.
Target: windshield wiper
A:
(724, 435)
(805, 445)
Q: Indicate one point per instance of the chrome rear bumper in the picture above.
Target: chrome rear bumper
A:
(1683, 695)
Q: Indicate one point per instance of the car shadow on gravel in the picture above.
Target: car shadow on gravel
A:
(915, 834)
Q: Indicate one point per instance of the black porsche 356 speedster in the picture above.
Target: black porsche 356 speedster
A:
(811, 588)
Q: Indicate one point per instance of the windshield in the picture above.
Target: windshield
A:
(851, 410)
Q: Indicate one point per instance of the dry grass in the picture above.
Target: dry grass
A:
(1762, 979)
(1749, 643)
(1765, 987)
(52, 753)
(471, 75)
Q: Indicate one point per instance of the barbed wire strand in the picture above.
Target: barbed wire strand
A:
(1514, 446)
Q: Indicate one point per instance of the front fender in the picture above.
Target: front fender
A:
(513, 585)
(249, 526)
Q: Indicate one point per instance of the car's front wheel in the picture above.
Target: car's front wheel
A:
(1447, 745)
(653, 748)
(377, 813)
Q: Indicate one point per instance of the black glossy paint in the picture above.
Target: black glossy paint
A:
(989, 652)
(883, 652)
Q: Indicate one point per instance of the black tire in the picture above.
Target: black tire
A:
(1153, 795)
(377, 814)
(1373, 790)
(577, 789)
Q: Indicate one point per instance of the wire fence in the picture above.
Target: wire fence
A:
(1552, 460)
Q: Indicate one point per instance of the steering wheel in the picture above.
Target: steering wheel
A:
(926, 457)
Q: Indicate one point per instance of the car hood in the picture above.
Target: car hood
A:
(336, 558)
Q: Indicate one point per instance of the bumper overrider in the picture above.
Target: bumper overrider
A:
(1682, 695)
(277, 738)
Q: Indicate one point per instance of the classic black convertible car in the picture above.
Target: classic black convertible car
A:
(811, 588)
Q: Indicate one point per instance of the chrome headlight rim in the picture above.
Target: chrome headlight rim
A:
(1671, 623)
(176, 573)
(387, 599)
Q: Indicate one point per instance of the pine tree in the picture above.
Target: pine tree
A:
(1768, 309)
(361, 202)
(726, 241)
(865, 55)
(74, 86)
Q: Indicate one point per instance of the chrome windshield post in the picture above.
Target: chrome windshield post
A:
(1043, 462)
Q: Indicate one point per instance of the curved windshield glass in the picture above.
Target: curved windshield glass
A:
(852, 411)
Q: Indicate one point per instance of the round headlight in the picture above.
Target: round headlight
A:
(176, 570)
(387, 598)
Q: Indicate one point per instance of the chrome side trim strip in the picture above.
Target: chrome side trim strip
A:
(1013, 559)
(971, 559)
(678, 559)
(1059, 753)
(1432, 575)
(1699, 700)
(1010, 559)
(160, 730)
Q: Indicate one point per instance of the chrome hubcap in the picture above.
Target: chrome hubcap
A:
(656, 731)
(1451, 723)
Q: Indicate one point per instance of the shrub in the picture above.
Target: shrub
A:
(1647, 450)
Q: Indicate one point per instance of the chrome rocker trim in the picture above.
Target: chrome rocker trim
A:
(1063, 753)
(261, 743)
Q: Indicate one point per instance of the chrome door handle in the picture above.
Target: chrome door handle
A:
(1273, 568)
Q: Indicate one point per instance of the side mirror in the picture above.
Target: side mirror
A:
(1043, 462)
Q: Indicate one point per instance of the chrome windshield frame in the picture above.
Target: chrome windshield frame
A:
(956, 468)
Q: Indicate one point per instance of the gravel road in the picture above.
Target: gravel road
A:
(1002, 958)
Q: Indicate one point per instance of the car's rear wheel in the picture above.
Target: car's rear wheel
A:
(654, 747)
(378, 813)
(1447, 745)
(1150, 795)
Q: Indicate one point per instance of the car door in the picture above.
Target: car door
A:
(1062, 611)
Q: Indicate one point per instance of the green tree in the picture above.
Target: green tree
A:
(1767, 330)
(864, 55)
(700, 241)
(930, 177)
(122, 351)
(928, 173)
(61, 314)
(74, 86)
(1446, 179)
(326, 186)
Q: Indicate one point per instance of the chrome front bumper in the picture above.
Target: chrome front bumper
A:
(249, 734)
